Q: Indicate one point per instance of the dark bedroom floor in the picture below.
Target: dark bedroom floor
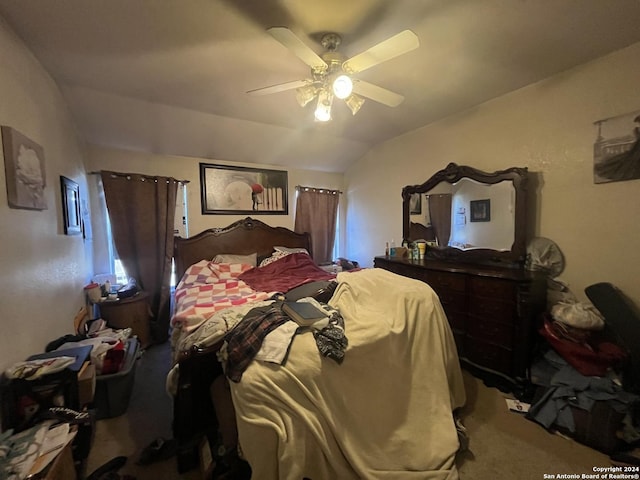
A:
(503, 444)
(147, 418)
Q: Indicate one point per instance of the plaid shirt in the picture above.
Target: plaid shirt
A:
(245, 340)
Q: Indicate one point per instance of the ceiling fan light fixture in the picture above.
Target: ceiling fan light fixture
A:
(342, 86)
(323, 110)
(354, 102)
(331, 74)
(305, 94)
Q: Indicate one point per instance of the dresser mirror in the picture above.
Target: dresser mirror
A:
(469, 215)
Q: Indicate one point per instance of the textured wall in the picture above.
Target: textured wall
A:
(547, 127)
(43, 270)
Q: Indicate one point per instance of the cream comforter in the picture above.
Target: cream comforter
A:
(385, 413)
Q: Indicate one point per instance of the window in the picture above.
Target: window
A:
(116, 268)
(336, 239)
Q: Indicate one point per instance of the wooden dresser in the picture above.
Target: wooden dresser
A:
(492, 312)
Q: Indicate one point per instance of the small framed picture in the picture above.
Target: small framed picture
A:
(480, 210)
(71, 215)
(415, 204)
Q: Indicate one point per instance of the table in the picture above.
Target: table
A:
(133, 312)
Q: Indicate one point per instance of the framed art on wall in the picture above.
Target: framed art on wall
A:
(25, 171)
(415, 204)
(229, 190)
(480, 210)
(72, 218)
(616, 151)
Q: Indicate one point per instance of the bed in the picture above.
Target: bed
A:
(386, 411)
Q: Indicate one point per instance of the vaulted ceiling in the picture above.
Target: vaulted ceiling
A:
(171, 76)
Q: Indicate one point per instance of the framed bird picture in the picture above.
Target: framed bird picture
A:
(229, 190)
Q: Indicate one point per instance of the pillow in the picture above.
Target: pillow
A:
(273, 258)
(291, 250)
(251, 259)
(228, 271)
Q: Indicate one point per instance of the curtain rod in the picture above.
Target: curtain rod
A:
(318, 189)
(141, 174)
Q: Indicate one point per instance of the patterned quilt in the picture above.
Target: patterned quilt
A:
(212, 298)
(207, 288)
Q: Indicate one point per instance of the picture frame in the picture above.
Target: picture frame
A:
(24, 170)
(480, 210)
(616, 150)
(415, 204)
(231, 190)
(71, 214)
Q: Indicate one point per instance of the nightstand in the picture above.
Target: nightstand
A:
(133, 312)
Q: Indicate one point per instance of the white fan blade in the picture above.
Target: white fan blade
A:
(287, 38)
(377, 94)
(403, 42)
(281, 87)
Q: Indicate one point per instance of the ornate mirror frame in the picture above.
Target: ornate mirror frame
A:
(452, 174)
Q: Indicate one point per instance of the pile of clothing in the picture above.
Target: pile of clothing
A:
(576, 373)
(576, 331)
(108, 345)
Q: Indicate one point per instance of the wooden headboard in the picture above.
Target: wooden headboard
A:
(241, 238)
(417, 231)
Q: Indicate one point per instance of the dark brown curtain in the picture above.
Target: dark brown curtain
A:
(440, 213)
(141, 211)
(316, 213)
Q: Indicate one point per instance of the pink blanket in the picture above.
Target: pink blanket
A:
(285, 274)
(207, 288)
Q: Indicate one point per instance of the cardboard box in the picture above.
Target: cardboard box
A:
(63, 467)
(401, 252)
(86, 384)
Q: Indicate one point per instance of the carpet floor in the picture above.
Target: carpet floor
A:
(503, 444)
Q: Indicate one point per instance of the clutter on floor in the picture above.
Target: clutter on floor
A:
(109, 471)
(51, 400)
(52, 448)
(587, 387)
(32, 450)
(158, 450)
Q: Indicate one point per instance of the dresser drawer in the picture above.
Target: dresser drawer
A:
(447, 281)
(398, 268)
(488, 356)
(489, 331)
(452, 301)
(487, 287)
(422, 276)
(459, 338)
(493, 309)
(457, 320)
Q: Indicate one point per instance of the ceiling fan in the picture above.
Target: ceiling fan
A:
(333, 75)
